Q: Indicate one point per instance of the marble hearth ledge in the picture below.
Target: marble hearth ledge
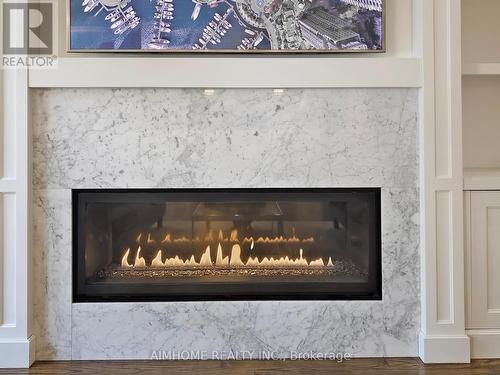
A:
(109, 138)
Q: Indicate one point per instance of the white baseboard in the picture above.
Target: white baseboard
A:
(485, 343)
(17, 354)
(444, 348)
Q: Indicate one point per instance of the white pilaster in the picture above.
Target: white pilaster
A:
(442, 337)
(16, 342)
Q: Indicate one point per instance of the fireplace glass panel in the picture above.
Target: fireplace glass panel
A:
(133, 245)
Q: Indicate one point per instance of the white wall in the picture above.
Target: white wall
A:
(481, 31)
(481, 121)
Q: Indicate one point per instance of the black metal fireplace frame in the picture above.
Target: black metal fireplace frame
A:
(372, 290)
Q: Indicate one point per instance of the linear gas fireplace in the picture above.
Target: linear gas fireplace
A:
(220, 244)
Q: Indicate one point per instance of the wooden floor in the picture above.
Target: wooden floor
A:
(406, 366)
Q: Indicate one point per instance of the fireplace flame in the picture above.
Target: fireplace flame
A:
(139, 261)
(209, 237)
(233, 260)
(125, 263)
(156, 262)
(182, 239)
(236, 256)
(233, 237)
(205, 258)
(220, 261)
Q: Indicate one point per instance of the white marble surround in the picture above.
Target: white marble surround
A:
(90, 138)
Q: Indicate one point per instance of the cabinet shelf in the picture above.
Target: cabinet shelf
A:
(482, 179)
(470, 69)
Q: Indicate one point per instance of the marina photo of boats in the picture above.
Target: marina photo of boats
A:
(227, 25)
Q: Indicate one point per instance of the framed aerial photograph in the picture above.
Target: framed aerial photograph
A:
(241, 26)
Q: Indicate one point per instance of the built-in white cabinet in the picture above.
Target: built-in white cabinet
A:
(481, 93)
(481, 160)
(483, 259)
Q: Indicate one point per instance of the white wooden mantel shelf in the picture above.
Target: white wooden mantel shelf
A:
(250, 72)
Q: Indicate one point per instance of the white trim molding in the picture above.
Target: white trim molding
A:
(230, 72)
(485, 343)
(17, 347)
(16, 342)
(442, 337)
(17, 353)
(482, 179)
(444, 349)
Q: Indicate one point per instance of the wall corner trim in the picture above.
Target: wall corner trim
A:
(444, 348)
(17, 353)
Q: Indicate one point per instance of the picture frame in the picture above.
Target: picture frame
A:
(308, 32)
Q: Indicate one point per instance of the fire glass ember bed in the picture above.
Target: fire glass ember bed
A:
(220, 244)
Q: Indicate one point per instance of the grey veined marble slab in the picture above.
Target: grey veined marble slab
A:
(91, 138)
